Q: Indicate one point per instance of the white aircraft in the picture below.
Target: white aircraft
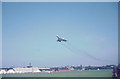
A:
(60, 39)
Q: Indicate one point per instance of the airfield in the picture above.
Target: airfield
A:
(87, 73)
(59, 34)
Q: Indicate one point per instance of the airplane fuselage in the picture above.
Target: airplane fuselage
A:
(60, 39)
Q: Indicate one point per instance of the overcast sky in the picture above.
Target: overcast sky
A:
(30, 29)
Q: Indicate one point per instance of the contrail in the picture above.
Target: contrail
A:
(73, 51)
(78, 51)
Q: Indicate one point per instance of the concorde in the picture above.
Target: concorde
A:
(60, 39)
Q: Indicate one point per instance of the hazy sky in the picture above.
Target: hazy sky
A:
(30, 29)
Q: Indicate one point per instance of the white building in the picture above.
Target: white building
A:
(27, 70)
(3, 72)
(10, 71)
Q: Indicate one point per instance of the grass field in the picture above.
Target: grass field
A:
(89, 73)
